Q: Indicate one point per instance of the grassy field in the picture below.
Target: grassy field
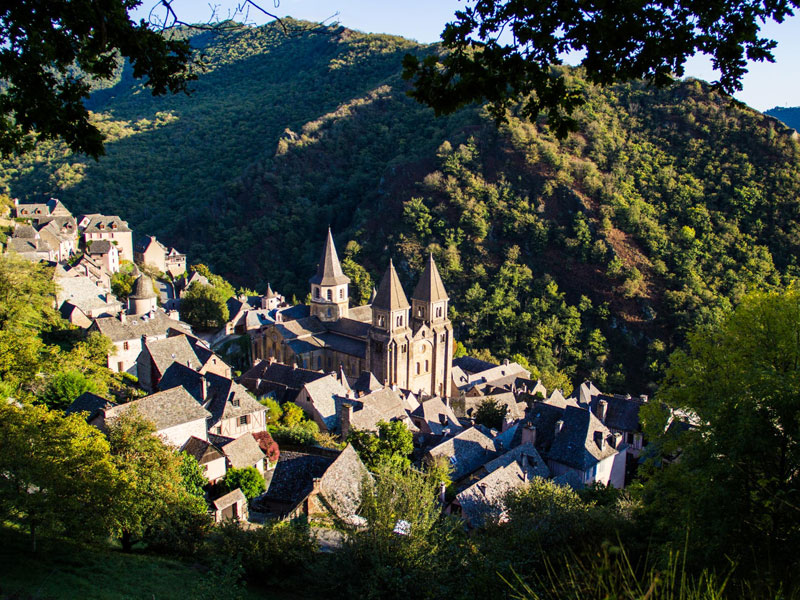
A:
(68, 570)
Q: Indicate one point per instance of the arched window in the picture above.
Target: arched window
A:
(381, 321)
(330, 295)
(427, 366)
(438, 312)
(399, 321)
(316, 292)
(419, 368)
(419, 311)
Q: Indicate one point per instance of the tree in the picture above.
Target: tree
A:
(204, 306)
(739, 381)
(56, 473)
(504, 51)
(392, 446)
(491, 414)
(152, 484)
(65, 387)
(53, 53)
(292, 415)
(249, 480)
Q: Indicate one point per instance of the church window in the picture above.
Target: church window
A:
(381, 321)
(427, 366)
(438, 312)
(419, 368)
(403, 348)
(444, 338)
(399, 321)
(419, 311)
(330, 295)
(330, 312)
(378, 347)
(341, 293)
(316, 292)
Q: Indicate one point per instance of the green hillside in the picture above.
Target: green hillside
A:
(789, 115)
(589, 257)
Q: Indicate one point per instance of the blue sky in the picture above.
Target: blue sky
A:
(766, 85)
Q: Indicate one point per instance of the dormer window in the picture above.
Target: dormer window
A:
(113, 226)
(235, 402)
(101, 226)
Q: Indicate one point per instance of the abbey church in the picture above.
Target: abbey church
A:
(402, 344)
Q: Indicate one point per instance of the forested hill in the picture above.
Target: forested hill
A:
(589, 257)
(789, 115)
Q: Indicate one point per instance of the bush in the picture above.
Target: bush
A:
(249, 480)
(181, 529)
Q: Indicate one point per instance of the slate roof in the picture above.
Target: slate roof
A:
(143, 288)
(165, 409)
(390, 294)
(343, 344)
(321, 393)
(576, 445)
(242, 452)
(24, 231)
(83, 293)
(586, 391)
(467, 451)
(430, 287)
(557, 399)
(514, 409)
(382, 405)
(329, 271)
(349, 327)
(340, 486)
(292, 478)
(89, 402)
(136, 327)
(26, 246)
(107, 222)
(285, 380)
(622, 414)
(361, 313)
(144, 242)
(472, 365)
(534, 460)
(229, 499)
(203, 451)
(543, 417)
(222, 398)
(99, 247)
(171, 350)
(179, 375)
(366, 383)
(432, 411)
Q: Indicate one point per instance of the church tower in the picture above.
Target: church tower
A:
(432, 352)
(389, 337)
(329, 294)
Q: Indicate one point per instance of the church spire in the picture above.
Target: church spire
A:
(390, 294)
(329, 271)
(430, 287)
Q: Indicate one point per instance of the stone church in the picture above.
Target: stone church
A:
(402, 344)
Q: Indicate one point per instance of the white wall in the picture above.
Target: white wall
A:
(180, 434)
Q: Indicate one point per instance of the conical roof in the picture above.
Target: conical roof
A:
(143, 288)
(390, 294)
(329, 271)
(270, 293)
(430, 287)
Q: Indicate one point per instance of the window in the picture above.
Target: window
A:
(330, 313)
(125, 345)
(438, 312)
(403, 348)
(419, 311)
(418, 368)
(235, 402)
(244, 419)
(341, 293)
(381, 321)
(319, 362)
(219, 429)
(453, 460)
(444, 338)
(316, 292)
(427, 366)
(399, 321)
(119, 367)
(330, 295)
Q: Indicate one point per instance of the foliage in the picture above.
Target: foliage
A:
(52, 55)
(53, 468)
(272, 553)
(122, 284)
(152, 487)
(65, 387)
(618, 43)
(406, 543)
(299, 435)
(274, 411)
(248, 479)
(292, 415)
(192, 476)
(738, 384)
(392, 446)
(491, 414)
(204, 306)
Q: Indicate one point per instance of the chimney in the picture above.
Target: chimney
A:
(617, 440)
(123, 318)
(315, 485)
(524, 466)
(345, 416)
(643, 397)
(600, 440)
(602, 409)
(442, 492)
(528, 434)
(559, 426)
(505, 362)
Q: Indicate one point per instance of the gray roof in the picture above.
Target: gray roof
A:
(321, 393)
(89, 402)
(293, 476)
(433, 411)
(622, 414)
(143, 288)
(136, 327)
(24, 231)
(343, 344)
(430, 287)
(366, 383)
(103, 223)
(361, 313)
(533, 459)
(390, 294)
(203, 451)
(577, 444)
(144, 242)
(382, 405)
(165, 409)
(472, 365)
(340, 486)
(349, 327)
(467, 451)
(543, 417)
(173, 349)
(242, 452)
(86, 295)
(100, 247)
(226, 399)
(285, 380)
(329, 271)
(229, 499)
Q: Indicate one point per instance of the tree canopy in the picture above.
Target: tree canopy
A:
(53, 53)
(504, 51)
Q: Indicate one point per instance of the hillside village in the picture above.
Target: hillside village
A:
(349, 368)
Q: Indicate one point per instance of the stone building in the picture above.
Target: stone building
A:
(409, 345)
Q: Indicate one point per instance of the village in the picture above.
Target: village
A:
(349, 368)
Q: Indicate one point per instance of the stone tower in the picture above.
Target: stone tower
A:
(329, 294)
(432, 354)
(142, 298)
(389, 335)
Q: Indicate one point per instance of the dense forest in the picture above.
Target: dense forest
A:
(591, 256)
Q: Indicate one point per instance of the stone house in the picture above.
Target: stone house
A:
(158, 355)
(176, 415)
(466, 452)
(128, 334)
(104, 253)
(52, 207)
(101, 227)
(318, 399)
(364, 414)
(435, 419)
(230, 507)
(268, 378)
(240, 453)
(149, 251)
(210, 458)
(81, 301)
(621, 415)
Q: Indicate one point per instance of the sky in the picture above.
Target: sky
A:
(766, 85)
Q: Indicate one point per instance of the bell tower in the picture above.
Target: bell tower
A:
(329, 293)
(388, 341)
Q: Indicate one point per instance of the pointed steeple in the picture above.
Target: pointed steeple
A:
(390, 294)
(270, 293)
(329, 271)
(430, 287)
